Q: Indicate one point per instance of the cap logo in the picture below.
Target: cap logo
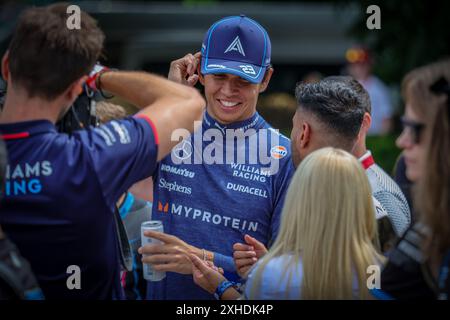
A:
(248, 69)
(236, 46)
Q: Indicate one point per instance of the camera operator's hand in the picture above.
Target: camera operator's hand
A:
(92, 81)
(184, 70)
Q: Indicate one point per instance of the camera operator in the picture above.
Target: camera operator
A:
(61, 190)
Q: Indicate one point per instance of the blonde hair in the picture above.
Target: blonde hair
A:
(107, 111)
(328, 222)
(431, 195)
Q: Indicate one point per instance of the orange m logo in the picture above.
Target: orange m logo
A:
(163, 209)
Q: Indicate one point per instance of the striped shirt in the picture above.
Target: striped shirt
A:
(388, 193)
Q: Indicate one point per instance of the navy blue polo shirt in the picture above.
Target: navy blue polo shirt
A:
(59, 198)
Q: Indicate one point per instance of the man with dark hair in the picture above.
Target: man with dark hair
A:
(384, 188)
(329, 114)
(35, 36)
(61, 190)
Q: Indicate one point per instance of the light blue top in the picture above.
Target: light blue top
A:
(274, 281)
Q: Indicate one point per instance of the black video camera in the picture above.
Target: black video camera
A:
(81, 114)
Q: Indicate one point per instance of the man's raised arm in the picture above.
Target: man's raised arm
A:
(169, 105)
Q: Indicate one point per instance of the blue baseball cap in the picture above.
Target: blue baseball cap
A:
(237, 45)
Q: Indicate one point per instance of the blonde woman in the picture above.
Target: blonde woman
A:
(326, 239)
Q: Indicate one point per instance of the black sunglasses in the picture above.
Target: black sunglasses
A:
(415, 129)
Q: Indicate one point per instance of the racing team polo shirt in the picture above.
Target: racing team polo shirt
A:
(213, 205)
(59, 199)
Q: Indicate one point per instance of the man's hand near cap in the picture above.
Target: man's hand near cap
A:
(184, 70)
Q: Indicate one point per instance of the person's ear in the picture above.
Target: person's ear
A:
(297, 141)
(305, 135)
(75, 89)
(365, 125)
(266, 80)
(5, 66)
(201, 78)
(367, 121)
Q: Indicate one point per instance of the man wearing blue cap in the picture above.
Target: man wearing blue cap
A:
(208, 193)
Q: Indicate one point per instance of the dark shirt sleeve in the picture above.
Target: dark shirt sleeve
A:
(122, 152)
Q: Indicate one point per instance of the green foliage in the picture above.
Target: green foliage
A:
(384, 151)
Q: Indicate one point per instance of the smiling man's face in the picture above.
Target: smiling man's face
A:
(230, 98)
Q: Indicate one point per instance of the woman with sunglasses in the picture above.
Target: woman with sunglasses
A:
(419, 266)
